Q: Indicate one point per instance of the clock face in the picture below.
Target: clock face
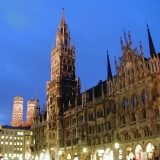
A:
(128, 64)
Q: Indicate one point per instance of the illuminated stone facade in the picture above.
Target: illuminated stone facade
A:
(117, 118)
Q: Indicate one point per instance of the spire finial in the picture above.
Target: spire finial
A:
(141, 48)
(36, 96)
(63, 19)
(147, 27)
(84, 88)
(130, 39)
(125, 38)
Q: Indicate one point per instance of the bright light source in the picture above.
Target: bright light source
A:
(116, 145)
(59, 152)
(100, 151)
(84, 150)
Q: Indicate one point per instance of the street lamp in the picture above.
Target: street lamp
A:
(59, 152)
(84, 151)
(116, 145)
(116, 156)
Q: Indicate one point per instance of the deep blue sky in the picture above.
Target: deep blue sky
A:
(28, 29)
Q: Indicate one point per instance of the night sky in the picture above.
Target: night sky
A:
(28, 30)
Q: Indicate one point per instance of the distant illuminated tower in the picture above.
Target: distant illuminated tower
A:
(30, 111)
(17, 114)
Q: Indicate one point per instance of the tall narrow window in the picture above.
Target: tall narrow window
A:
(134, 100)
(144, 97)
(124, 103)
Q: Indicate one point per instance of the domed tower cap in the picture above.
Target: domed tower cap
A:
(18, 98)
(31, 101)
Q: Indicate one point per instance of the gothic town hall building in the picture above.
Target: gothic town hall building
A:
(119, 118)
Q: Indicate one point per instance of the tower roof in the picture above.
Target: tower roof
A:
(18, 98)
(63, 21)
(109, 76)
(151, 45)
(63, 18)
(31, 101)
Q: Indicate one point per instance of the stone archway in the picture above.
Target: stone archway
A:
(108, 154)
(36, 158)
(138, 151)
(68, 156)
(150, 150)
(129, 153)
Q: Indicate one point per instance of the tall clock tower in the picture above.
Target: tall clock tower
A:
(64, 86)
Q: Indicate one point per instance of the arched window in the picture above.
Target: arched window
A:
(108, 110)
(143, 114)
(132, 117)
(150, 149)
(69, 61)
(64, 60)
(124, 103)
(61, 30)
(120, 154)
(134, 100)
(122, 119)
(154, 93)
(66, 42)
(143, 97)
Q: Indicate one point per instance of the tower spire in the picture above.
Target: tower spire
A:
(151, 45)
(63, 18)
(109, 68)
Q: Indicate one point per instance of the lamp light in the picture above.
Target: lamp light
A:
(116, 145)
(84, 150)
(59, 152)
